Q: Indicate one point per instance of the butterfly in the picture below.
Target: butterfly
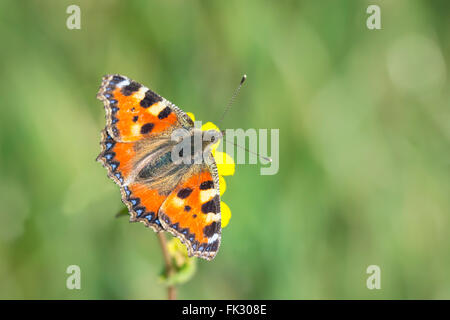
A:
(182, 198)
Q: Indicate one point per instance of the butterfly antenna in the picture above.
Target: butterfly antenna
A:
(246, 149)
(233, 97)
(236, 92)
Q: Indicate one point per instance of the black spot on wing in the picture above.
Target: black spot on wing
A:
(164, 113)
(205, 185)
(212, 205)
(129, 89)
(214, 246)
(146, 128)
(135, 118)
(150, 99)
(187, 208)
(211, 229)
(117, 79)
(184, 193)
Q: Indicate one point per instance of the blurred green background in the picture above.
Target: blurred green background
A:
(364, 145)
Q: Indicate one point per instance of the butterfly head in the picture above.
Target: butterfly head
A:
(210, 138)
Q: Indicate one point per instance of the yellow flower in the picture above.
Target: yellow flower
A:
(222, 185)
(225, 167)
(225, 163)
(226, 213)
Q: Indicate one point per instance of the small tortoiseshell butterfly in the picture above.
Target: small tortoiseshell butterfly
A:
(180, 198)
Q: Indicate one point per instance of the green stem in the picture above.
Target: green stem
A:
(169, 267)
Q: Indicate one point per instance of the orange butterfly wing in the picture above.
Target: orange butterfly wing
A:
(192, 212)
(135, 116)
(143, 203)
(134, 112)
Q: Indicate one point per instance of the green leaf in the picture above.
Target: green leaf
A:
(122, 212)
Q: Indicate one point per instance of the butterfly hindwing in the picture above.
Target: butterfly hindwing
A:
(192, 212)
(143, 203)
(134, 112)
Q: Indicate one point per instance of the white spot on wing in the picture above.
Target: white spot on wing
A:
(135, 129)
(140, 94)
(211, 217)
(213, 238)
(178, 202)
(156, 108)
(206, 195)
(123, 83)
